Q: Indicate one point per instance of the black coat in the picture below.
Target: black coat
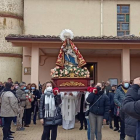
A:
(102, 107)
(111, 99)
(42, 105)
(130, 126)
(131, 104)
(37, 95)
(138, 131)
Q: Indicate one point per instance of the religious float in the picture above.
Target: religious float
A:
(70, 73)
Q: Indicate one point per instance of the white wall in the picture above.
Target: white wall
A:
(50, 17)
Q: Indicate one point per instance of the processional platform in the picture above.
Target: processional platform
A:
(72, 84)
(69, 73)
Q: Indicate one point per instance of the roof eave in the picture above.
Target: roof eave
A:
(16, 39)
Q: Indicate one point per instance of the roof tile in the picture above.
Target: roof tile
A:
(82, 38)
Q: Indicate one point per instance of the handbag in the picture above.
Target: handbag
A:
(87, 112)
(56, 120)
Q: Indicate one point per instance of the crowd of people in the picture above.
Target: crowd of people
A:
(99, 105)
(18, 102)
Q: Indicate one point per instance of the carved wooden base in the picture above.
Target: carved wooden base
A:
(72, 84)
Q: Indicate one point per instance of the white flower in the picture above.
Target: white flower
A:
(57, 67)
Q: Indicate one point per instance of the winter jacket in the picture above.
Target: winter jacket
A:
(37, 95)
(130, 123)
(29, 101)
(102, 107)
(131, 105)
(9, 104)
(130, 126)
(119, 96)
(21, 97)
(111, 99)
(42, 105)
(138, 131)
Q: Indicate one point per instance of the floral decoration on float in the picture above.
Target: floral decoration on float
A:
(70, 71)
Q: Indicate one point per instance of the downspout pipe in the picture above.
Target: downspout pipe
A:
(101, 18)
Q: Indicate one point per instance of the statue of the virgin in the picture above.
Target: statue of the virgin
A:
(69, 54)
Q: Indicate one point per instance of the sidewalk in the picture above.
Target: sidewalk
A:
(34, 132)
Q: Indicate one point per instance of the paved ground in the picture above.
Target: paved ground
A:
(34, 133)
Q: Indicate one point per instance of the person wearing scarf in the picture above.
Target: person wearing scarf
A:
(49, 101)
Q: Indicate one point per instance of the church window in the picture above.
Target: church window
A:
(123, 20)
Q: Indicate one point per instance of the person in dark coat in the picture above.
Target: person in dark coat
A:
(48, 103)
(107, 88)
(118, 99)
(37, 96)
(130, 125)
(99, 112)
(131, 104)
(112, 105)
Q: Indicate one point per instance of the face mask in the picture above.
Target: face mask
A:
(113, 90)
(126, 85)
(49, 88)
(16, 87)
(98, 88)
(33, 88)
(26, 90)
